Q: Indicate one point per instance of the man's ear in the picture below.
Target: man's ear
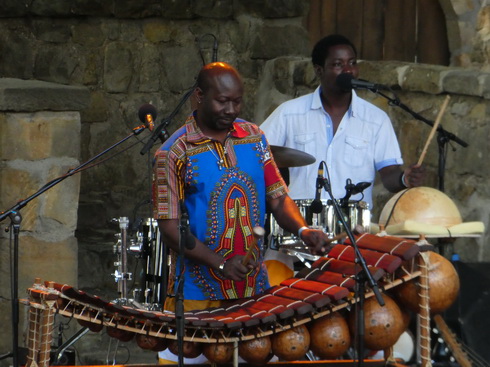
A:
(318, 70)
(198, 93)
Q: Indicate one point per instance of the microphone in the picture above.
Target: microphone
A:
(215, 50)
(360, 187)
(346, 82)
(148, 114)
(316, 205)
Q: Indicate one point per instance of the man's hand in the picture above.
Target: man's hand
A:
(414, 175)
(235, 270)
(317, 241)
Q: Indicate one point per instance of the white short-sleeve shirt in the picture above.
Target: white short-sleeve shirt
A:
(364, 143)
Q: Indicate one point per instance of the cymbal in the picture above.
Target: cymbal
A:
(289, 157)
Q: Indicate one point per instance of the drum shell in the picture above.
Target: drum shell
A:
(383, 324)
(443, 286)
(314, 220)
(256, 351)
(292, 344)
(219, 353)
(329, 336)
(355, 213)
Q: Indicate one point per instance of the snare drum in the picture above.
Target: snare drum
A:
(355, 213)
(280, 236)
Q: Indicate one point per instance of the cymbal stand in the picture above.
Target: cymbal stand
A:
(121, 275)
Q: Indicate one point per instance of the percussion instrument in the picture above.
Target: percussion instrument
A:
(383, 324)
(443, 286)
(355, 213)
(289, 157)
(330, 336)
(145, 246)
(312, 294)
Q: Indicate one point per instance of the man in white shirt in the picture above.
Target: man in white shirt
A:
(352, 136)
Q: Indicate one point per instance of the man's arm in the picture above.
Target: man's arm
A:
(289, 217)
(202, 254)
(394, 179)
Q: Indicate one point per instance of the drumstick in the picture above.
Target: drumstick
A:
(340, 236)
(434, 128)
(258, 232)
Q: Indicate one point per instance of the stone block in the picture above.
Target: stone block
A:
(276, 8)
(40, 135)
(53, 32)
(54, 261)
(271, 42)
(92, 69)
(34, 95)
(180, 75)
(15, 51)
(304, 74)
(137, 9)
(424, 78)
(98, 8)
(213, 9)
(149, 77)
(177, 9)
(118, 67)
(485, 85)
(88, 34)
(58, 214)
(50, 8)
(380, 72)
(156, 30)
(98, 108)
(13, 8)
(16, 185)
(56, 63)
(462, 82)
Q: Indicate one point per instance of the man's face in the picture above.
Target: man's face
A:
(340, 59)
(221, 102)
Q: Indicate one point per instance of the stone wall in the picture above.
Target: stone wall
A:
(127, 53)
(39, 142)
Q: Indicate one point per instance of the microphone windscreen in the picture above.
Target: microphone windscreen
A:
(147, 109)
(344, 81)
(316, 206)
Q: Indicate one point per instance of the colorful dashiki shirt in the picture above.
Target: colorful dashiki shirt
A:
(224, 189)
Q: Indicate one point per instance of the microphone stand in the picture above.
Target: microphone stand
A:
(361, 278)
(443, 136)
(165, 122)
(16, 219)
(179, 296)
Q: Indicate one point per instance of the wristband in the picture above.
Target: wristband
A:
(301, 231)
(402, 180)
(221, 266)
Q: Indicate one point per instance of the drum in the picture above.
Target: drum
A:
(152, 255)
(356, 213)
(280, 236)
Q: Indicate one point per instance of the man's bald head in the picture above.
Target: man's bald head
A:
(211, 71)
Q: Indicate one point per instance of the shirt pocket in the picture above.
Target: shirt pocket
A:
(305, 142)
(356, 151)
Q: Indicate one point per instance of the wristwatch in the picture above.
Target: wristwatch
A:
(221, 266)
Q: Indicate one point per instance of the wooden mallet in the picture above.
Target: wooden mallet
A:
(258, 233)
